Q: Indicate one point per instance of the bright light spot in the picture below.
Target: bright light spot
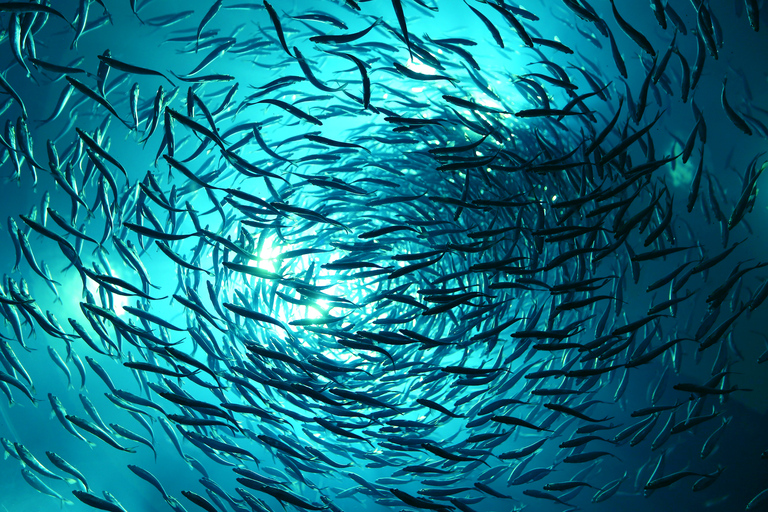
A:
(419, 67)
(489, 102)
(681, 173)
(318, 309)
(274, 257)
(554, 198)
(267, 256)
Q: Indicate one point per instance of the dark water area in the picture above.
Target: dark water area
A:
(415, 269)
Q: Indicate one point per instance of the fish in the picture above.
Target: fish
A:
(398, 7)
(212, 11)
(21, 7)
(32, 463)
(753, 14)
(737, 120)
(488, 25)
(13, 381)
(480, 263)
(149, 477)
(97, 431)
(344, 38)
(633, 34)
(98, 503)
(667, 480)
(65, 466)
(310, 75)
(41, 487)
(12, 92)
(61, 364)
(130, 68)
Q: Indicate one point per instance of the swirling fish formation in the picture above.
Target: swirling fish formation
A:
(353, 264)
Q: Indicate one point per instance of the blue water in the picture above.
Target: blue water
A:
(392, 166)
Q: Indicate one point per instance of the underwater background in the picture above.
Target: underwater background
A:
(377, 255)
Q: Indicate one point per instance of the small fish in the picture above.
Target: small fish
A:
(633, 34)
(344, 38)
(658, 12)
(97, 431)
(737, 120)
(212, 11)
(98, 503)
(665, 481)
(42, 488)
(13, 381)
(65, 466)
(95, 96)
(753, 14)
(32, 463)
(278, 27)
(149, 477)
(398, 7)
(130, 68)
(61, 364)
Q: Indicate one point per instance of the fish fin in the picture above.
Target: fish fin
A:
(71, 481)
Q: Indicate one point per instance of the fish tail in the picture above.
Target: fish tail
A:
(16, 176)
(100, 247)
